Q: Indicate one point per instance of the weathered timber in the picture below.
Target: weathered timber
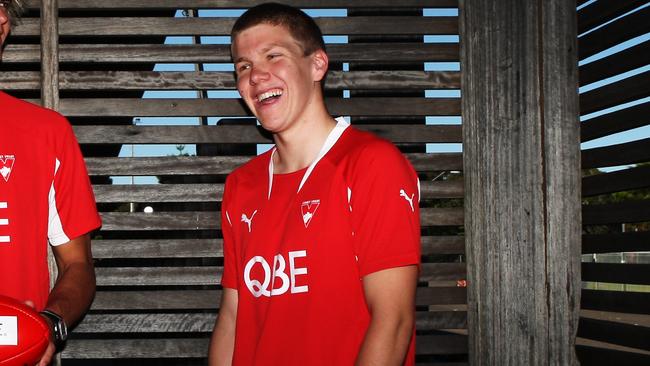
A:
(214, 192)
(598, 355)
(622, 91)
(194, 26)
(610, 123)
(616, 213)
(124, 107)
(232, 134)
(618, 63)
(202, 80)
(614, 33)
(634, 241)
(49, 54)
(210, 299)
(616, 301)
(630, 273)
(238, 4)
(614, 155)
(616, 181)
(210, 220)
(198, 347)
(603, 11)
(193, 165)
(211, 53)
(629, 335)
(210, 275)
(521, 160)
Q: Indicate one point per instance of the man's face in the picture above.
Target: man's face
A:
(5, 24)
(278, 83)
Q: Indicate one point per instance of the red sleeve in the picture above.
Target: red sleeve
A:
(229, 277)
(385, 211)
(73, 211)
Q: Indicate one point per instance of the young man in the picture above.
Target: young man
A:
(45, 195)
(321, 234)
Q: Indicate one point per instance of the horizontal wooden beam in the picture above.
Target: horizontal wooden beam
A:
(205, 80)
(205, 53)
(143, 299)
(628, 335)
(618, 63)
(614, 155)
(630, 273)
(220, 165)
(151, 193)
(237, 4)
(599, 355)
(126, 107)
(603, 11)
(610, 123)
(616, 213)
(616, 301)
(616, 181)
(210, 220)
(195, 26)
(622, 91)
(634, 241)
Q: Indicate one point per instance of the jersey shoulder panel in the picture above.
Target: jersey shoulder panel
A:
(253, 169)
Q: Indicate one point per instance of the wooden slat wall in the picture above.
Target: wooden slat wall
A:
(158, 273)
(615, 323)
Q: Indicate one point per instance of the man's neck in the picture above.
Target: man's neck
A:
(299, 147)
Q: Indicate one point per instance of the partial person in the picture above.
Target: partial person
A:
(322, 232)
(45, 196)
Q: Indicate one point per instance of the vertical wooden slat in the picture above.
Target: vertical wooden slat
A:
(50, 54)
(521, 165)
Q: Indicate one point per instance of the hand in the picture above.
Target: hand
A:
(47, 356)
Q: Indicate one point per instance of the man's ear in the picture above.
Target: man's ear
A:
(320, 63)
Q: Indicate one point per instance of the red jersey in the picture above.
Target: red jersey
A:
(45, 195)
(297, 245)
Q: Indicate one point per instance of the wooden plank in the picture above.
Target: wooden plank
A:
(616, 301)
(616, 213)
(603, 11)
(49, 23)
(210, 220)
(616, 181)
(590, 355)
(443, 245)
(210, 53)
(198, 347)
(610, 123)
(638, 241)
(521, 130)
(143, 299)
(214, 192)
(622, 91)
(231, 134)
(238, 4)
(209, 275)
(614, 155)
(630, 273)
(213, 165)
(202, 80)
(618, 63)
(614, 33)
(221, 26)
(124, 107)
(204, 322)
(628, 335)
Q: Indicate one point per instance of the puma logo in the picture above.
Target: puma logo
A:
(248, 221)
(402, 193)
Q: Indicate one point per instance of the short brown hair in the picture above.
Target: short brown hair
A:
(301, 26)
(15, 10)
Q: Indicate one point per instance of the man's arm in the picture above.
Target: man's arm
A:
(222, 344)
(390, 295)
(75, 284)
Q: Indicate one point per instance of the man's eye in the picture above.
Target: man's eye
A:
(243, 67)
(272, 56)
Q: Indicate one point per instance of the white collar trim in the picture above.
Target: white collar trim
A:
(332, 138)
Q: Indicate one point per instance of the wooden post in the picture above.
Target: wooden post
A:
(522, 180)
(50, 54)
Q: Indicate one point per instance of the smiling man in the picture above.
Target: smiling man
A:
(45, 197)
(321, 233)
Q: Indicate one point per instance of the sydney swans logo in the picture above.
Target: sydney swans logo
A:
(308, 210)
(6, 165)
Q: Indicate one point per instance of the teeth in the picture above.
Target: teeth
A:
(269, 94)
